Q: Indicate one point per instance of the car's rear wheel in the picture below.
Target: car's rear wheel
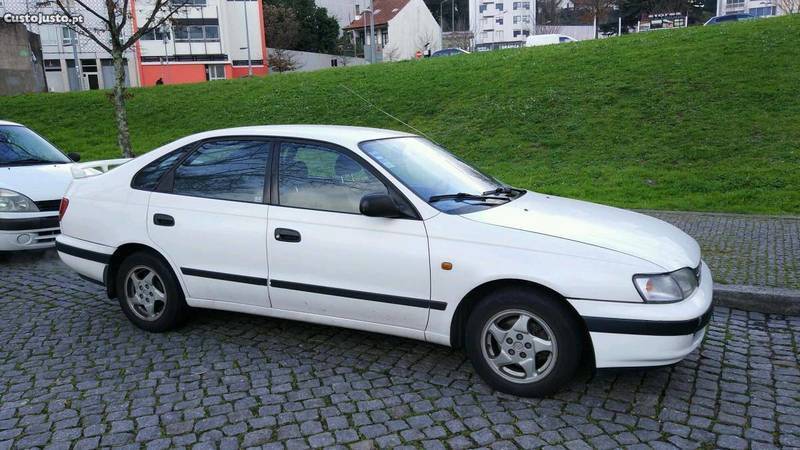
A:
(523, 342)
(149, 294)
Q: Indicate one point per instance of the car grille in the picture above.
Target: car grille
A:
(48, 205)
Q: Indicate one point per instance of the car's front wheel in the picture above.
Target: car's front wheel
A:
(149, 293)
(523, 342)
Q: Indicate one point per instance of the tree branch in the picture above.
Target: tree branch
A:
(80, 25)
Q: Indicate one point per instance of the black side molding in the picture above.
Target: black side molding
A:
(92, 280)
(649, 327)
(101, 258)
(224, 276)
(371, 296)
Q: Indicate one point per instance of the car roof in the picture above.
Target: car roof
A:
(5, 122)
(336, 134)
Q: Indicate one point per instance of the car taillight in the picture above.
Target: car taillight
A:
(62, 208)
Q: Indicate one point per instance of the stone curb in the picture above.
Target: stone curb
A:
(759, 299)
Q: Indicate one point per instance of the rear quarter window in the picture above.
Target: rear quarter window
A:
(147, 179)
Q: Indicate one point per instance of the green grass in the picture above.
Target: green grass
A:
(706, 118)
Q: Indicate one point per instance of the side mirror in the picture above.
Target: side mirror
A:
(75, 157)
(379, 205)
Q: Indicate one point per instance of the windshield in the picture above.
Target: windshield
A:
(21, 146)
(431, 171)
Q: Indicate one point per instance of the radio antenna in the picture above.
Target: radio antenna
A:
(386, 113)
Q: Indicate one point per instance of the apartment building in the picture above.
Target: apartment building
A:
(72, 62)
(204, 40)
(501, 21)
(758, 8)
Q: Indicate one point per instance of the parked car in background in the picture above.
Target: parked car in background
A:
(449, 52)
(387, 232)
(547, 39)
(33, 177)
(738, 17)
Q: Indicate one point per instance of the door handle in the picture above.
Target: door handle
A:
(163, 220)
(286, 235)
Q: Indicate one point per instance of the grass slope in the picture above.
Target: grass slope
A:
(696, 119)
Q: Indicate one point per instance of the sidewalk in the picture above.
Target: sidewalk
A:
(755, 259)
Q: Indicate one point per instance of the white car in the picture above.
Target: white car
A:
(33, 177)
(387, 232)
(547, 39)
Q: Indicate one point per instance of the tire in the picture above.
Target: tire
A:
(526, 367)
(162, 293)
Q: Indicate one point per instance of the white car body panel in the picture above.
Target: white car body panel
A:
(587, 253)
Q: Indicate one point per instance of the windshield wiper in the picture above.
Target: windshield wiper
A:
(29, 161)
(508, 190)
(464, 196)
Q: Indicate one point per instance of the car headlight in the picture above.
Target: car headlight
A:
(667, 287)
(11, 201)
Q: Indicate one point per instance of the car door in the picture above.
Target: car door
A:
(210, 217)
(327, 258)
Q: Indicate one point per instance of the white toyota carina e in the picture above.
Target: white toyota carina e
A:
(33, 177)
(387, 232)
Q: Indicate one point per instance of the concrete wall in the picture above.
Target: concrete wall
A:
(308, 61)
(21, 68)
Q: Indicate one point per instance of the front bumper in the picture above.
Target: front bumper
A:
(28, 233)
(642, 334)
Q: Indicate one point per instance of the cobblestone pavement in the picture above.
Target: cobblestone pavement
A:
(748, 250)
(74, 373)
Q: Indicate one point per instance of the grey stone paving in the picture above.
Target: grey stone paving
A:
(745, 250)
(75, 374)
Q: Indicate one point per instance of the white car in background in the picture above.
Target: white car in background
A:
(33, 177)
(547, 39)
(387, 232)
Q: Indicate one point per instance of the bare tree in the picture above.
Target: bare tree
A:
(424, 41)
(282, 60)
(113, 17)
(548, 16)
(595, 10)
(789, 6)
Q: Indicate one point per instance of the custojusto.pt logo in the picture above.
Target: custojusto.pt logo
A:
(41, 19)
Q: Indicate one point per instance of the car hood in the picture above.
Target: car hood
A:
(616, 229)
(40, 182)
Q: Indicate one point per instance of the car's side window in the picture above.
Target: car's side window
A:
(147, 179)
(226, 170)
(316, 177)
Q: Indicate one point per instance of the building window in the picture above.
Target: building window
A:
(499, 21)
(197, 33)
(52, 65)
(498, 6)
(179, 3)
(158, 34)
(482, 8)
(385, 37)
(499, 35)
(67, 36)
(215, 72)
(358, 10)
(522, 5)
(522, 19)
(763, 11)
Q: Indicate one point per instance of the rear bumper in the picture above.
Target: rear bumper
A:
(90, 260)
(28, 233)
(643, 335)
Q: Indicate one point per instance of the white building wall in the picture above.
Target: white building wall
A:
(409, 28)
(308, 61)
